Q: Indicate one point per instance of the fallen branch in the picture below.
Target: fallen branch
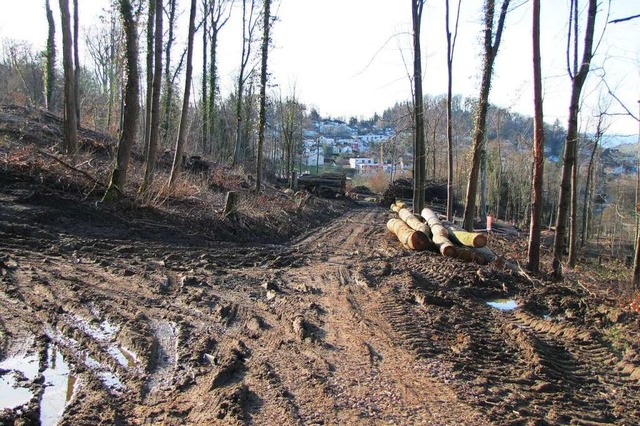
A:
(75, 169)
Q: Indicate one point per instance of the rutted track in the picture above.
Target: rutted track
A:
(518, 365)
(341, 326)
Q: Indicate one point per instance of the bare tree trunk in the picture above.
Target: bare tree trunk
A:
(131, 106)
(167, 68)
(263, 91)
(418, 110)
(537, 200)
(578, 80)
(50, 79)
(573, 213)
(588, 185)
(150, 165)
(636, 257)
(149, 94)
(205, 78)
(451, 43)
(184, 117)
(491, 45)
(247, 38)
(76, 60)
(70, 122)
(220, 12)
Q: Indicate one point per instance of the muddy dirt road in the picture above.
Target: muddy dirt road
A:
(111, 321)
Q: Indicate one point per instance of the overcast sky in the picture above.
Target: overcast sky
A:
(349, 57)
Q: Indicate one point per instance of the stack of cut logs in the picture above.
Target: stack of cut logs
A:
(427, 232)
(327, 185)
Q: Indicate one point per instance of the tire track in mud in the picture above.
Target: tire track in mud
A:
(358, 372)
(518, 366)
(339, 327)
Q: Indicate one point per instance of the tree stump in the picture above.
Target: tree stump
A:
(230, 204)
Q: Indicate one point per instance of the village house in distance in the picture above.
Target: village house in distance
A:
(356, 145)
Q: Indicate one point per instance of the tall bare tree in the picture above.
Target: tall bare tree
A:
(184, 115)
(578, 74)
(451, 46)
(533, 260)
(248, 27)
(419, 161)
(76, 59)
(70, 118)
(588, 188)
(150, 162)
(266, 22)
(290, 113)
(491, 46)
(50, 77)
(219, 13)
(206, 12)
(131, 107)
(149, 73)
(168, 77)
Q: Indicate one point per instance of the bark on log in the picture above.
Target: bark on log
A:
(466, 238)
(440, 234)
(415, 240)
(488, 255)
(470, 255)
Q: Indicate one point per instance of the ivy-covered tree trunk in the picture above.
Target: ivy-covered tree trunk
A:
(131, 106)
(491, 45)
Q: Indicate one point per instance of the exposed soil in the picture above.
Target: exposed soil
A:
(162, 322)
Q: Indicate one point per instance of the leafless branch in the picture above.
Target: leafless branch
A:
(628, 18)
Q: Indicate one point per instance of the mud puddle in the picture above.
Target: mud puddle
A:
(18, 373)
(59, 386)
(503, 304)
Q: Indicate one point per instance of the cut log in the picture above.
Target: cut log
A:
(466, 238)
(415, 222)
(415, 240)
(394, 207)
(439, 233)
